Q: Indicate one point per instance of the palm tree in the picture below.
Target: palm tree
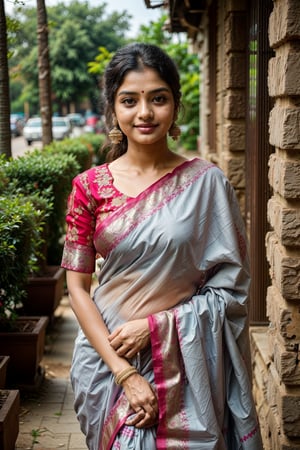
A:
(5, 137)
(44, 72)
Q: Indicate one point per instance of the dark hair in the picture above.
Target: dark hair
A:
(135, 57)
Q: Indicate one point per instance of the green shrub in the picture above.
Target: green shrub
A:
(21, 228)
(81, 152)
(49, 175)
(94, 142)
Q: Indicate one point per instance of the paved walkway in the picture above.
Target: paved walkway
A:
(47, 419)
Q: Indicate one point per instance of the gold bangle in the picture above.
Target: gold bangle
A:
(124, 374)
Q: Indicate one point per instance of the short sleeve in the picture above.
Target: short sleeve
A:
(79, 251)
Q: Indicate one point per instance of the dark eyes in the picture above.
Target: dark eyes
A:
(158, 100)
(128, 101)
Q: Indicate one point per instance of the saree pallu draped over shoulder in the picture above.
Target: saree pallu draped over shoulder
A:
(177, 255)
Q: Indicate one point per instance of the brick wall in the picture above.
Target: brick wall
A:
(229, 150)
(277, 348)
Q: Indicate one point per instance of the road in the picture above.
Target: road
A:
(19, 146)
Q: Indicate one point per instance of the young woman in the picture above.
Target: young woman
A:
(162, 359)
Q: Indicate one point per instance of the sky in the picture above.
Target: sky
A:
(136, 8)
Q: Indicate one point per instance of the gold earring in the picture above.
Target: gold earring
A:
(115, 135)
(174, 132)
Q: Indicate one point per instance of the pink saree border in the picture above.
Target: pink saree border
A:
(159, 380)
(143, 205)
(169, 378)
(114, 422)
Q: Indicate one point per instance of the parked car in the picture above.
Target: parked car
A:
(94, 124)
(61, 129)
(32, 130)
(76, 119)
(17, 123)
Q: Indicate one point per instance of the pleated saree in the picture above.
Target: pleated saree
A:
(176, 254)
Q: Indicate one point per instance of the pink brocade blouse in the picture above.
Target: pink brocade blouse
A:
(92, 199)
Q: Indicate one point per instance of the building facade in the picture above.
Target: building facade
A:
(249, 53)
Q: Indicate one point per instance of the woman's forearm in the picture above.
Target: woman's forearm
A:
(92, 323)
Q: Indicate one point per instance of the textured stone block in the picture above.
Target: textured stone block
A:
(284, 269)
(234, 136)
(235, 105)
(284, 22)
(284, 318)
(284, 74)
(286, 363)
(285, 221)
(286, 402)
(284, 176)
(284, 127)
(234, 168)
(235, 71)
(291, 414)
(235, 32)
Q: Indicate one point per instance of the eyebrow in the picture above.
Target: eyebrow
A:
(154, 91)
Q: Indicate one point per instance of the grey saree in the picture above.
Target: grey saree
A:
(176, 254)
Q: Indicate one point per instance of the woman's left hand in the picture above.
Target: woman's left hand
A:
(130, 338)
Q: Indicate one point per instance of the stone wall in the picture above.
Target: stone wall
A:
(229, 150)
(277, 348)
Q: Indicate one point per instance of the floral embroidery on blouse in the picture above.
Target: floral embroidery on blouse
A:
(92, 199)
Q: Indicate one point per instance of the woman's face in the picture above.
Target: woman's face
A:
(144, 107)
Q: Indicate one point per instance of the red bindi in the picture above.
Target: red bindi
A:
(142, 92)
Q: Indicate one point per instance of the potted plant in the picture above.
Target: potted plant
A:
(9, 418)
(48, 176)
(20, 338)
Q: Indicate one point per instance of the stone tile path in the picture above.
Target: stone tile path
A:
(47, 419)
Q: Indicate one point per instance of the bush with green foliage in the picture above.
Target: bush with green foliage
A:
(50, 175)
(21, 227)
(74, 147)
(94, 142)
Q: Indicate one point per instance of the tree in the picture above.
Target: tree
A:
(44, 72)
(5, 138)
(76, 30)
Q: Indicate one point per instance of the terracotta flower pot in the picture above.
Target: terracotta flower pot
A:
(25, 348)
(44, 292)
(9, 418)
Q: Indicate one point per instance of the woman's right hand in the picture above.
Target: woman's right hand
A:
(143, 400)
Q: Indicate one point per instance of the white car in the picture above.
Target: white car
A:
(61, 129)
(32, 130)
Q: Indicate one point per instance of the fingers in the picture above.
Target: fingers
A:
(119, 341)
(126, 347)
(143, 400)
(123, 350)
(143, 418)
(146, 415)
(132, 337)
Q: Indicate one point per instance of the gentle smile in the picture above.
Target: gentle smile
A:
(145, 125)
